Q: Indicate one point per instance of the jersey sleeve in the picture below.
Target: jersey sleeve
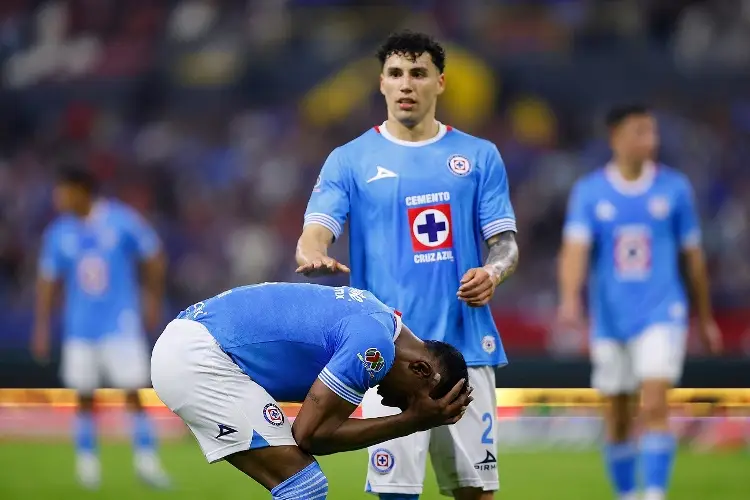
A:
(143, 235)
(50, 265)
(686, 217)
(364, 355)
(579, 225)
(496, 213)
(329, 202)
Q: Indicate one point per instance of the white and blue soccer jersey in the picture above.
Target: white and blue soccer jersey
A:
(97, 260)
(285, 335)
(419, 214)
(636, 231)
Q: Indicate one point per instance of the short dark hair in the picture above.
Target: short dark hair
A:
(78, 176)
(412, 45)
(452, 367)
(618, 114)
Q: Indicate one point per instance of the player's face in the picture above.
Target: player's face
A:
(637, 137)
(410, 87)
(404, 379)
(70, 198)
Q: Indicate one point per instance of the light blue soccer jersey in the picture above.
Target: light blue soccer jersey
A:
(97, 260)
(419, 214)
(637, 231)
(285, 335)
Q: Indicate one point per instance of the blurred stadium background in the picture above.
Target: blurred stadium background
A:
(213, 118)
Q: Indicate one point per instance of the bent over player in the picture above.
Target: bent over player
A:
(223, 364)
(421, 198)
(627, 226)
(97, 248)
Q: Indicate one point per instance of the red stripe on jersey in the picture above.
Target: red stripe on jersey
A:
(448, 128)
(377, 128)
(397, 312)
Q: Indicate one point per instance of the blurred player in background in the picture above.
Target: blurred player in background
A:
(627, 227)
(93, 250)
(421, 198)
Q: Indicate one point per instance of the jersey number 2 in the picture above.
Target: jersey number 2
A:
(487, 436)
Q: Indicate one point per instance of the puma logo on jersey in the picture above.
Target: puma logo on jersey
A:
(383, 173)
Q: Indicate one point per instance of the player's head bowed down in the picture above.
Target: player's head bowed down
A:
(423, 367)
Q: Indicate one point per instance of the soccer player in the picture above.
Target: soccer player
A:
(93, 249)
(223, 364)
(627, 226)
(421, 197)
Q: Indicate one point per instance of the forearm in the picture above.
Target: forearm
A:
(356, 434)
(571, 273)
(44, 303)
(697, 278)
(503, 256)
(154, 275)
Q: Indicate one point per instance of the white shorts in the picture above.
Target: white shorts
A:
(463, 455)
(225, 410)
(116, 361)
(658, 353)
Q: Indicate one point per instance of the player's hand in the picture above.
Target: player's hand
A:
(570, 315)
(711, 336)
(428, 412)
(322, 266)
(40, 345)
(477, 287)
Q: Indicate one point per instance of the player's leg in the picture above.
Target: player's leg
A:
(396, 468)
(658, 355)
(464, 455)
(613, 377)
(79, 370)
(126, 364)
(231, 417)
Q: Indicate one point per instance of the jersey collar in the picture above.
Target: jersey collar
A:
(399, 324)
(631, 188)
(442, 130)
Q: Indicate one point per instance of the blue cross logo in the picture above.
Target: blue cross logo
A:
(431, 227)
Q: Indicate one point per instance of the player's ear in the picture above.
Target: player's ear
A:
(441, 84)
(382, 78)
(421, 369)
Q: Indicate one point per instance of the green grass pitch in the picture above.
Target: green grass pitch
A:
(45, 471)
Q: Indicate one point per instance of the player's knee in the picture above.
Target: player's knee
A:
(654, 410)
(86, 402)
(309, 483)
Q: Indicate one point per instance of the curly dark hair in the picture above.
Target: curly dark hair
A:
(452, 367)
(412, 45)
(620, 113)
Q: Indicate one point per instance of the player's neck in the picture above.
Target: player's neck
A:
(630, 171)
(423, 131)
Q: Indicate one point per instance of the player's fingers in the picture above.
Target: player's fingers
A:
(453, 393)
(475, 281)
(468, 276)
(341, 267)
(434, 381)
(478, 293)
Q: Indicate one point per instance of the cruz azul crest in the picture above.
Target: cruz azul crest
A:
(372, 360)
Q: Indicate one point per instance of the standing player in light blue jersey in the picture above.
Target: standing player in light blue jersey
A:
(422, 199)
(225, 363)
(93, 249)
(627, 227)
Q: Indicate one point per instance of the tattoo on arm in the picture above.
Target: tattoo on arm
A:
(312, 397)
(503, 257)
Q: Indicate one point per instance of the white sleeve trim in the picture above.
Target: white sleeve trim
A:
(341, 389)
(498, 226)
(692, 239)
(579, 233)
(326, 221)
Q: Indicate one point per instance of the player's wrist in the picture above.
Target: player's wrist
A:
(495, 276)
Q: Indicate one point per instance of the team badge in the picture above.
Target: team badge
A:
(459, 165)
(372, 360)
(316, 187)
(273, 415)
(431, 227)
(658, 206)
(605, 211)
(488, 344)
(382, 461)
(632, 252)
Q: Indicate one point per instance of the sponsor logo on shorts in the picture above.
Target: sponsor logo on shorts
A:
(225, 430)
(459, 165)
(372, 360)
(382, 461)
(489, 463)
(273, 414)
